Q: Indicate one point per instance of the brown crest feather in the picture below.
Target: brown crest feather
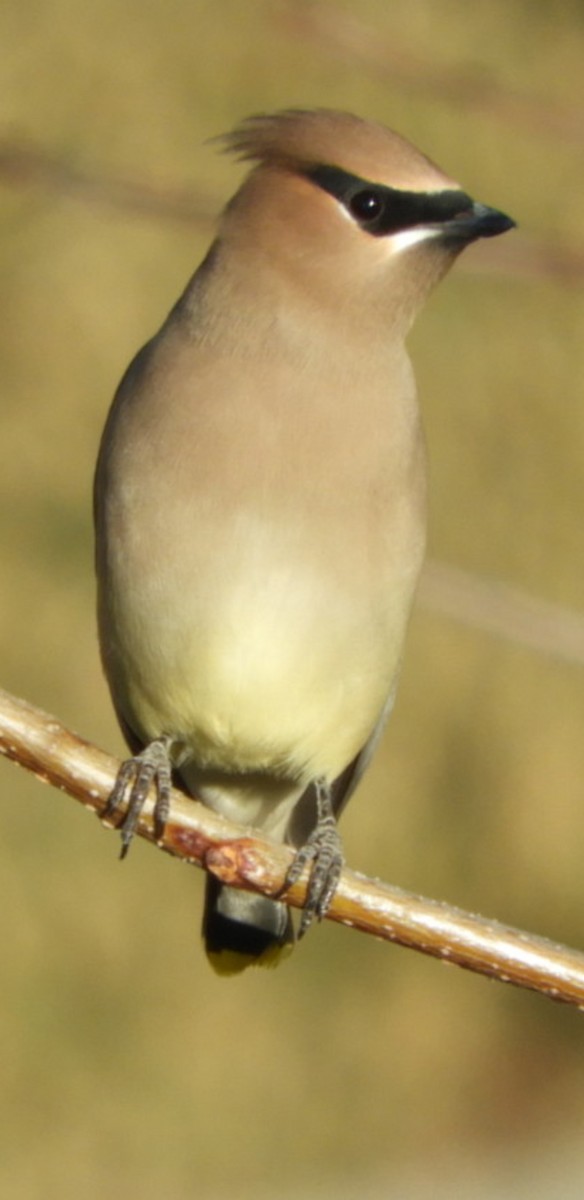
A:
(298, 138)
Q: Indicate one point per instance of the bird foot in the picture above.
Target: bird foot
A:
(324, 850)
(152, 765)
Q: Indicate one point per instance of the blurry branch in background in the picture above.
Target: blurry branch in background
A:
(56, 756)
(24, 165)
(394, 62)
(503, 611)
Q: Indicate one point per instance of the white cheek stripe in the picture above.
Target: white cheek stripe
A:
(396, 242)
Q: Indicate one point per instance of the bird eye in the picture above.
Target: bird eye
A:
(366, 205)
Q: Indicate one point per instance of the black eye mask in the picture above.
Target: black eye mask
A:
(381, 210)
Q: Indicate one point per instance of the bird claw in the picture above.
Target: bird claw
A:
(324, 850)
(152, 765)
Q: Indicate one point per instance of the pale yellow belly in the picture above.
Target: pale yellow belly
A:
(276, 668)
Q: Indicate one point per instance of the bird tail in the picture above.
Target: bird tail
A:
(242, 929)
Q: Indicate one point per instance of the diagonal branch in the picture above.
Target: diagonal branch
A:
(28, 164)
(235, 856)
(397, 62)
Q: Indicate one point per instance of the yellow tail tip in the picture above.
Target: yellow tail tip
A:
(230, 962)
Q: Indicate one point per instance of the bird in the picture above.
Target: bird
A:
(260, 500)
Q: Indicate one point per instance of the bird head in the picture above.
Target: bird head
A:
(348, 213)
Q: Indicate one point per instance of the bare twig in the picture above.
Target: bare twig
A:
(399, 64)
(24, 164)
(57, 756)
(502, 610)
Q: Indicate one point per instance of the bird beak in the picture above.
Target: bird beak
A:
(478, 221)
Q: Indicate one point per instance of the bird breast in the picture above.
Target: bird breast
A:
(257, 612)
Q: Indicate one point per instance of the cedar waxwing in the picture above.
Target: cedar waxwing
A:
(260, 498)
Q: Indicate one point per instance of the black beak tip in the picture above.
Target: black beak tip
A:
(477, 221)
(494, 222)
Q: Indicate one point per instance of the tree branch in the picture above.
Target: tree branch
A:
(398, 62)
(27, 164)
(41, 744)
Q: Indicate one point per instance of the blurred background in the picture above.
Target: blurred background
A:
(357, 1069)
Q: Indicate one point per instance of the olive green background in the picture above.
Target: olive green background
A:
(356, 1069)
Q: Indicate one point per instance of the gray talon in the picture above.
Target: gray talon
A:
(324, 850)
(152, 765)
